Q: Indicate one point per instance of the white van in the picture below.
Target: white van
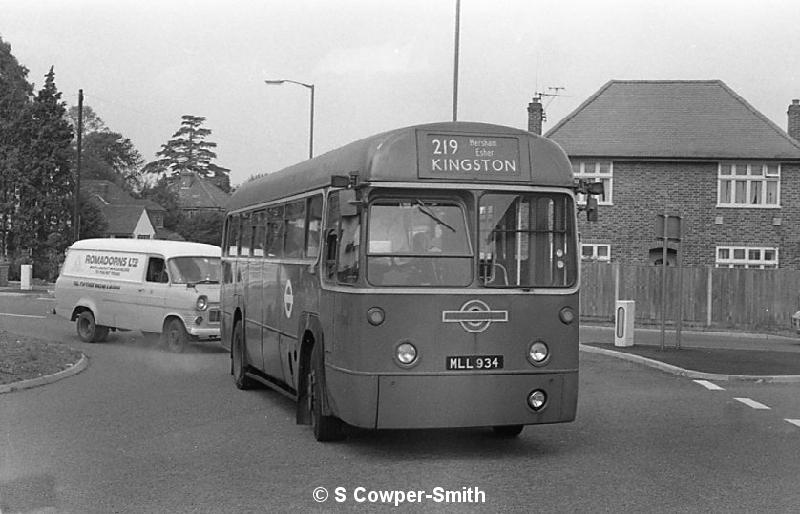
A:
(166, 287)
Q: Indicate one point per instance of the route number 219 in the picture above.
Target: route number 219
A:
(444, 146)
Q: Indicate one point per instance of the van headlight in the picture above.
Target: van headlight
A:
(202, 303)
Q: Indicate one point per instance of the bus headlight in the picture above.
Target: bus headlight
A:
(538, 353)
(406, 354)
(202, 303)
(537, 400)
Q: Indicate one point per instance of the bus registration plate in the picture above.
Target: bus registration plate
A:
(474, 362)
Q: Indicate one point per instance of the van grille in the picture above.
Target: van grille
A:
(213, 316)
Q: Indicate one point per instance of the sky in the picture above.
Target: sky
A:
(378, 65)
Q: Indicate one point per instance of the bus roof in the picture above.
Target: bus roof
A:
(401, 156)
(168, 249)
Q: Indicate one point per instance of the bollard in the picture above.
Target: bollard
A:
(623, 328)
(25, 273)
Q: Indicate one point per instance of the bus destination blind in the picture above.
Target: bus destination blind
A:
(462, 157)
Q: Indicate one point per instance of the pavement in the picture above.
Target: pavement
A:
(35, 288)
(709, 355)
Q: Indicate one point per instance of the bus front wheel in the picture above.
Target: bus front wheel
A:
(326, 428)
(239, 360)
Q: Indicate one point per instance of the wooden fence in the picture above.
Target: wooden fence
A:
(748, 299)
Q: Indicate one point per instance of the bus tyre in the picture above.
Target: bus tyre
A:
(88, 331)
(239, 360)
(174, 336)
(326, 428)
(508, 430)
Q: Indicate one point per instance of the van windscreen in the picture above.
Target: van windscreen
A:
(194, 270)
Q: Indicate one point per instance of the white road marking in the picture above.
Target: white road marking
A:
(711, 386)
(794, 421)
(22, 315)
(752, 403)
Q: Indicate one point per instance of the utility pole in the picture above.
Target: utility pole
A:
(455, 64)
(76, 222)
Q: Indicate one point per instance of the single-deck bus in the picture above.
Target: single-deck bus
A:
(424, 277)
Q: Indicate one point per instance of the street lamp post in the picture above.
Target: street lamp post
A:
(311, 121)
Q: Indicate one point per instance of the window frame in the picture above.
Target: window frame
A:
(770, 173)
(595, 257)
(746, 262)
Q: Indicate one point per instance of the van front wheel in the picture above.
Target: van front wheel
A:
(174, 336)
(88, 330)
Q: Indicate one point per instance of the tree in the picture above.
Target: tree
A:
(89, 119)
(15, 97)
(188, 152)
(93, 223)
(203, 227)
(46, 185)
(110, 156)
(105, 154)
(165, 195)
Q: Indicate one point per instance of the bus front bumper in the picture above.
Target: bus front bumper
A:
(450, 400)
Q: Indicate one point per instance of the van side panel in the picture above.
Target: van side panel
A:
(102, 280)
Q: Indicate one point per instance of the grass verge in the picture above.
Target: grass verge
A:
(22, 358)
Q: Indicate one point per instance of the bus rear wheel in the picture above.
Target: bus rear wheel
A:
(508, 430)
(239, 360)
(88, 330)
(326, 428)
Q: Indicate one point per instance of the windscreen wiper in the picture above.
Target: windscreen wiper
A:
(427, 212)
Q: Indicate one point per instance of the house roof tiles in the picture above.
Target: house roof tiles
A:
(671, 119)
(194, 192)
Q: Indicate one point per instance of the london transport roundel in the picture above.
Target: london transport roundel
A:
(288, 299)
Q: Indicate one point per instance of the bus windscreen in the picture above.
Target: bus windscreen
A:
(418, 242)
(527, 240)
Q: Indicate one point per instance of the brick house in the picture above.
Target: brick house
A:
(690, 148)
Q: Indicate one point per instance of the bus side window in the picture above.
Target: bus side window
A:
(247, 235)
(330, 253)
(232, 236)
(313, 222)
(259, 233)
(295, 228)
(274, 243)
(331, 235)
(349, 249)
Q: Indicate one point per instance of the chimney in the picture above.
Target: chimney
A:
(794, 119)
(536, 116)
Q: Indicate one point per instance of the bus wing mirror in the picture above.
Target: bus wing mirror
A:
(591, 207)
(595, 188)
(348, 203)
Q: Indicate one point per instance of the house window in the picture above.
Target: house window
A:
(747, 257)
(748, 185)
(596, 252)
(143, 236)
(595, 171)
